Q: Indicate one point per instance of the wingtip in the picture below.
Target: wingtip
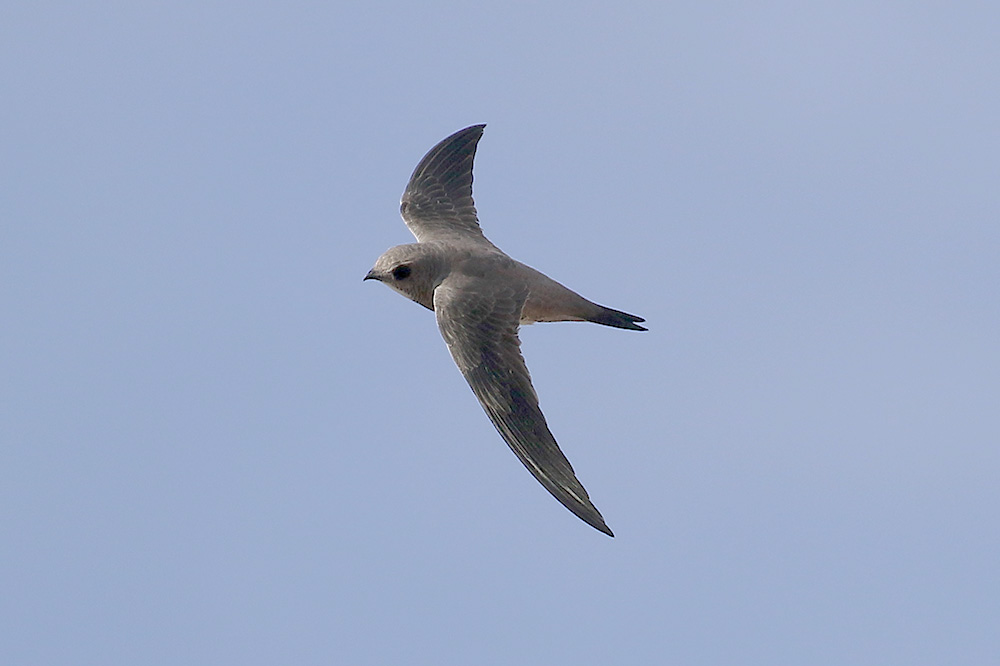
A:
(592, 518)
(476, 130)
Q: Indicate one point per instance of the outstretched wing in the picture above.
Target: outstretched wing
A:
(479, 323)
(437, 202)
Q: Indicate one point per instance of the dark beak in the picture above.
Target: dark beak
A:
(371, 275)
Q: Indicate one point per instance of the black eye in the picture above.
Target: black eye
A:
(401, 272)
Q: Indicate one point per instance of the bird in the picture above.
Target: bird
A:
(480, 297)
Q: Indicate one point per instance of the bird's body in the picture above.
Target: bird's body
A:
(480, 297)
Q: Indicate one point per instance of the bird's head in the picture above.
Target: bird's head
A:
(412, 270)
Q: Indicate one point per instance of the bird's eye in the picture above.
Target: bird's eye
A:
(401, 272)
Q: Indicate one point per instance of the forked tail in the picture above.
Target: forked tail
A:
(616, 318)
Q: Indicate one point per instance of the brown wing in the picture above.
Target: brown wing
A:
(479, 323)
(437, 202)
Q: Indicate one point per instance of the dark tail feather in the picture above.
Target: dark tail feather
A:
(617, 318)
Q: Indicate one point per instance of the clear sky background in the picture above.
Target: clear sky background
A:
(219, 446)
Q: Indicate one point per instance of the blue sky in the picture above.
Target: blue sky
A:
(219, 446)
